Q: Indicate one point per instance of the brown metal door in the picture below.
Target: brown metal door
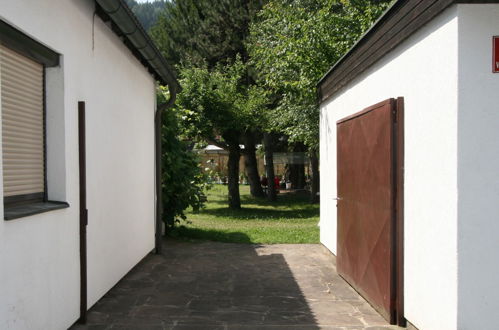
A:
(366, 204)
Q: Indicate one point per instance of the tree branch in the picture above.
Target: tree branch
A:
(219, 144)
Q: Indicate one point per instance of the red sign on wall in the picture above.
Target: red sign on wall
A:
(495, 54)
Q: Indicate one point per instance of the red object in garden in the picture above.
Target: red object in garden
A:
(276, 182)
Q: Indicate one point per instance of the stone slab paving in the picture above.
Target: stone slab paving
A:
(209, 285)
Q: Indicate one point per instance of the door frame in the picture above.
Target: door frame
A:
(397, 183)
(399, 157)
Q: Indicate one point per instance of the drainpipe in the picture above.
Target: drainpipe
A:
(157, 136)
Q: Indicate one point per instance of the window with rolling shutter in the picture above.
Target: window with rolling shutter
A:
(25, 63)
(22, 100)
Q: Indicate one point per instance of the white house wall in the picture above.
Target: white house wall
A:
(39, 255)
(478, 181)
(120, 158)
(423, 70)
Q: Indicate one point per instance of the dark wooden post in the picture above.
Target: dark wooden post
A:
(83, 211)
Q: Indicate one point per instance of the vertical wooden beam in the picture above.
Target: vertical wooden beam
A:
(83, 211)
(399, 212)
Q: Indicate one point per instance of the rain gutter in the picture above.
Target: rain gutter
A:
(126, 25)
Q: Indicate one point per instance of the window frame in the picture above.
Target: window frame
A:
(19, 206)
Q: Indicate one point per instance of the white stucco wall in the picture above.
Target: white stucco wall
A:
(39, 255)
(478, 164)
(423, 70)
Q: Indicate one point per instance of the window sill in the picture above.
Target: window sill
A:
(21, 211)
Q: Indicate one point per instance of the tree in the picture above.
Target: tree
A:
(205, 31)
(147, 12)
(183, 183)
(269, 165)
(210, 33)
(218, 108)
(292, 45)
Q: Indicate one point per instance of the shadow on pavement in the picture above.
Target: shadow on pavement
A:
(205, 285)
(189, 233)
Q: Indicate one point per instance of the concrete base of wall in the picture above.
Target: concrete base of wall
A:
(327, 250)
(411, 326)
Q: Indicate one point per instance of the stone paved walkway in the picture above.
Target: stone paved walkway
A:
(210, 285)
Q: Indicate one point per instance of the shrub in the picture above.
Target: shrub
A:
(183, 183)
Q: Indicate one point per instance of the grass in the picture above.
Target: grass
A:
(291, 219)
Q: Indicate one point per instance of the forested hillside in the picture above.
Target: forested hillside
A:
(147, 12)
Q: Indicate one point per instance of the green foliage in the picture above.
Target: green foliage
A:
(294, 43)
(215, 102)
(183, 182)
(147, 12)
(204, 31)
(205, 40)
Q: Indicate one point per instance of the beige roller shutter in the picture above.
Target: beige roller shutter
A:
(22, 124)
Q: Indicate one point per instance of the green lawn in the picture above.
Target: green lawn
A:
(289, 220)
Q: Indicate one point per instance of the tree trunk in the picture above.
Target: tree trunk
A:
(297, 171)
(301, 176)
(251, 164)
(297, 176)
(269, 166)
(233, 177)
(314, 164)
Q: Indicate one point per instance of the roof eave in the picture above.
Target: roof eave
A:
(126, 25)
(400, 21)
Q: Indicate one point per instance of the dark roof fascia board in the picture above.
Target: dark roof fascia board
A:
(400, 21)
(126, 25)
